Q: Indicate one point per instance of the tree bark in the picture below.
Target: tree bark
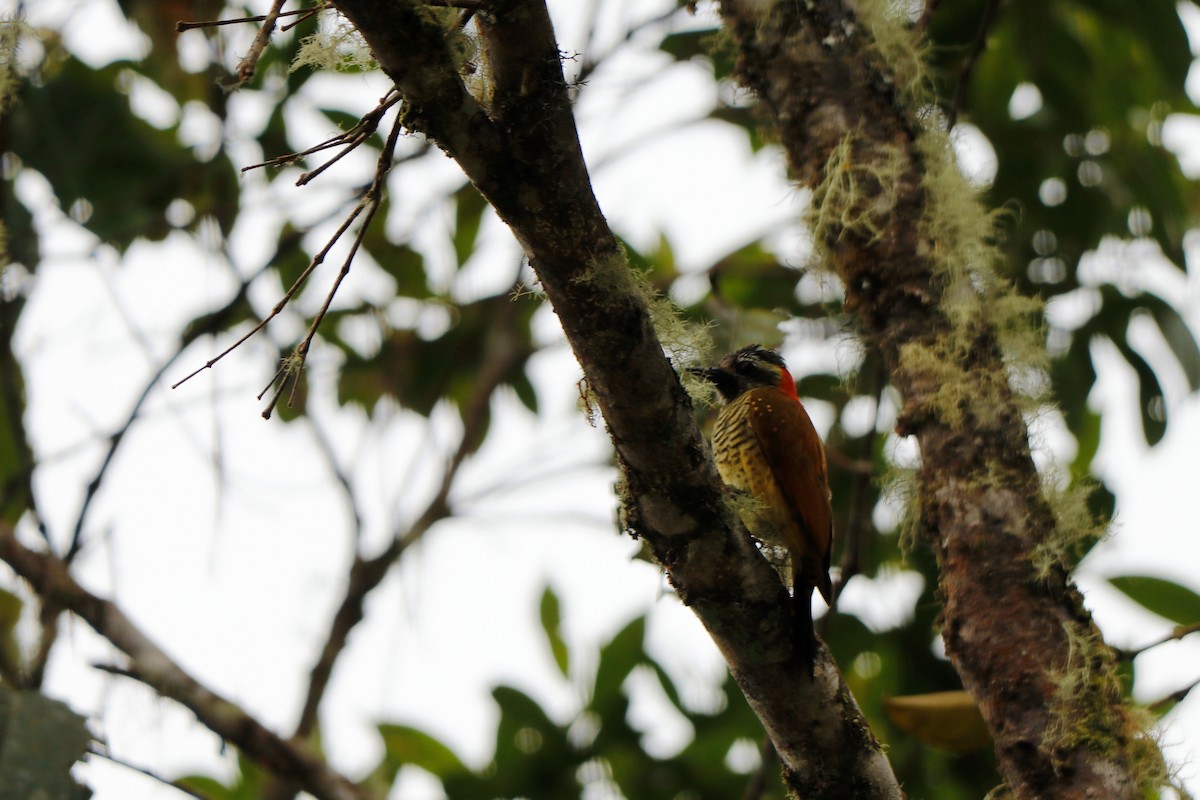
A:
(518, 144)
(1013, 635)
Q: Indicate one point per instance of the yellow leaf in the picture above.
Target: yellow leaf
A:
(946, 720)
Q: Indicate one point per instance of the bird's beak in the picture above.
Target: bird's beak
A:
(707, 373)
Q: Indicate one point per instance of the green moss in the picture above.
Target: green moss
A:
(899, 485)
(11, 32)
(335, 46)
(938, 364)
(1088, 711)
(858, 193)
(685, 343)
(905, 53)
(1086, 689)
(1075, 529)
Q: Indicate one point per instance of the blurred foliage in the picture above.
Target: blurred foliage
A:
(1081, 166)
(40, 740)
(1084, 163)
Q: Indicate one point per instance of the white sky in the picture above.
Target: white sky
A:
(236, 577)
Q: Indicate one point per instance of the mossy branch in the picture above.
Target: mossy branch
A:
(919, 257)
(516, 141)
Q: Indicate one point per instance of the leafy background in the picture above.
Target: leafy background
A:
(140, 248)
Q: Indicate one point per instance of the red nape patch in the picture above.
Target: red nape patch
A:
(786, 384)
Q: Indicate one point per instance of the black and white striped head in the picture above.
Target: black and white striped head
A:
(753, 367)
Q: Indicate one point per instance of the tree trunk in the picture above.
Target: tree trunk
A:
(1019, 636)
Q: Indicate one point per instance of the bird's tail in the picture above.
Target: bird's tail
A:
(803, 636)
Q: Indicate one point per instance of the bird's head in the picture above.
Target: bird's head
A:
(752, 367)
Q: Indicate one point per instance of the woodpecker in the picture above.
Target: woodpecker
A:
(765, 445)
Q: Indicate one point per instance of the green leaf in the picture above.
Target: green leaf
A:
(468, 216)
(407, 266)
(10, 650)
(16, 459)
(113, 171)
(1150, 395)
(1166, 598)
(525, 391)
(550, 615)
(1181, 341)
(618, 658)
(40, 739)
(405, 745)
(705, 44)
(753, 277)
(247, 784)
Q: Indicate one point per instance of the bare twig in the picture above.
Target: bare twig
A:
(51, 580)
(305, 14)
(352, 139)
(246, 67)
(1177, 696)
(371, 201)
(964, 74)
(182, 26)
(316, 261)
(1174, 636)
(325, 444)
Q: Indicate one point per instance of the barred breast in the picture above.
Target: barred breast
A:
(743, 466)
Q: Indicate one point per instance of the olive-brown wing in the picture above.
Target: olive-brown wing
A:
(793, 450)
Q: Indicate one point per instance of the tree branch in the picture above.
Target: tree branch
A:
(523, 155)
(50, 579)
(1009, 631)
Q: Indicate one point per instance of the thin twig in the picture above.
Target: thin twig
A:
(352, 138)
(214, 322)
(590, 65)
(305, 15)
(246, 67)
(964, 75)
(50, 578)
(182, 26)
(1174, 636)
(325, 444)
(371, 201)
(316, 261)
(1177, 696)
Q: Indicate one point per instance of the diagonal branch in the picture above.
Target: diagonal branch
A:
(51, 580)
(249, 63)
(523, 155)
